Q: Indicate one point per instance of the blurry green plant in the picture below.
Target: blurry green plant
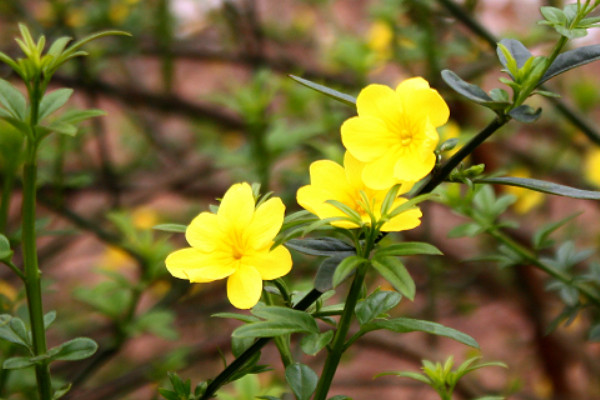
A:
(443, 379)
(32, 118)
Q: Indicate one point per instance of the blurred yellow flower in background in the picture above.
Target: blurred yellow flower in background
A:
(526, 199)
(331, 181)
(395, 133)
(8, 290)
(380, 39)
(591, 166)
(235, 243)
(144, 218)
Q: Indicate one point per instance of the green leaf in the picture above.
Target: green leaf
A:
(345, 268)
(326, 271)
(6, 252)
(18, 363)
(572, 59)
(554, 15)
(404, 325)
(53, 101)
(542, 186)
(239, 317)
(10, 62)
(75, 116)
(408, 249)
(49, 318)
(396, 274)
(540, 238)
(339, 96)
(302, 380)
(157, 322)
(18, 327)
(470, 91)
(177, 228)
(326, 246)
(525, 113)
(312, 343)
(13, 100)
(62, 128)
(406, 374)
(279, 321)
(375, 305)
(58, 46)
(519, 52)
(75, 349)
(61, 391)
(8, 334)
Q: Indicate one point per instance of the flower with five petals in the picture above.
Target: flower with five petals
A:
(331, 181)
(235, 243)
(395, 133)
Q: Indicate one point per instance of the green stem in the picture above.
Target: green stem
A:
(531, 258)
(32, 277)
(240, 361)
(439, 175)
(339, 340)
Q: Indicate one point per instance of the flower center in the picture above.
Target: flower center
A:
(405, 137)
(237, 253)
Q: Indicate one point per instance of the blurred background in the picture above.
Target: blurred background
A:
(199, 98)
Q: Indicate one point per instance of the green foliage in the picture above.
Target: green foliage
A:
(277, 321)
(394, 271)
(302, 380)
(443, 379)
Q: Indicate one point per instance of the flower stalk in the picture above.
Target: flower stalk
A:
(33, 279)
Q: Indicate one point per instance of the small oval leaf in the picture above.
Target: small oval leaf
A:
(470, 91)
(302, 380)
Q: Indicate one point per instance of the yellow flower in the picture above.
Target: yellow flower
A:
(235, 243)
(329, 181)
(380, 37)
(144, 218)
(395, 132)
(592, 166)
(526, 199)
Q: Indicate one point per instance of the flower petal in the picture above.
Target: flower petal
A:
(425, 104)
(265, 223)
(407, 220)
(331, 177)
(197, 266)
(374, 100)
(412, 167)
(314, 200)
(203, 232)
(272, 264)
(379, 174)
(237, 207)
(244, 287)
(367, 138)
(353, 168)
(410, 84)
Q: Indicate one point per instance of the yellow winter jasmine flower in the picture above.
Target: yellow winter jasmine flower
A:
(235, 243)
(592, 167)
(331, 181)
(395, 132)
(380, 37)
